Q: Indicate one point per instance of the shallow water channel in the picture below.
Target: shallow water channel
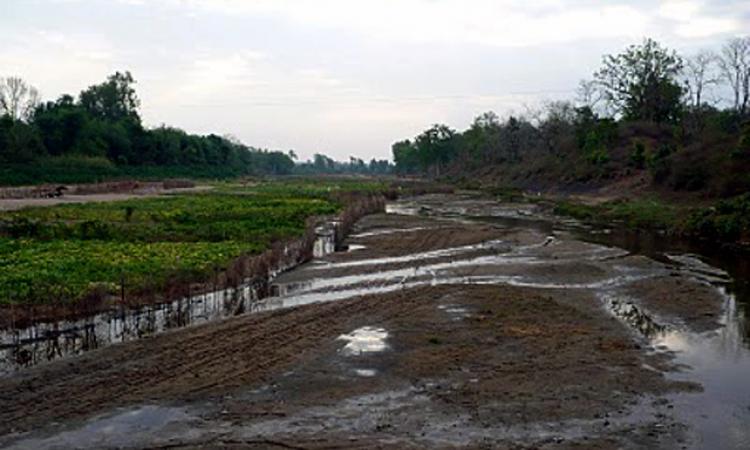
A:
(719, 360)
(47, 341)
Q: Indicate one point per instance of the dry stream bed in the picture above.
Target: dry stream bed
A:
(451, 322)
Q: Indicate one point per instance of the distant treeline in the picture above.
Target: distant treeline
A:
(648, 113)
(99, 135)
(323, 164)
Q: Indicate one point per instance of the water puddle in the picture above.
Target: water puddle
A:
(455, 311)
(387, 231)
(696, 266)
(364, 340)
(719, 415)
(496, 246)
(141, 427)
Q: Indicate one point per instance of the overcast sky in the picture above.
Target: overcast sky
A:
(343, 77)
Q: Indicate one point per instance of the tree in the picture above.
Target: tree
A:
(557, 125)
(734, 63)
(405, 156)
(640, 83)
(435, 147)
(323, 163)
(588, 95)
(63, 127)
(699, 75)
(19, 143)
(481, 138)
(18, 99)
(113, 100)
(511, 136)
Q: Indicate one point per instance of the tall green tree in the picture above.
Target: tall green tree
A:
(405, 156)
(64, 128)
(436, 146)
(641, 82)
(113, 100)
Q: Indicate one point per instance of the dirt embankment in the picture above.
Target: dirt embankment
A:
(15, 198)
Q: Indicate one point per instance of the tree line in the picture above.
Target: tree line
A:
(324, 164)
(646, 108)
(102, 126)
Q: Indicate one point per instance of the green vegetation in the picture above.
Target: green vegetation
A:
(641, 127)
(64, 253)
(728, 221)
(642, 118)
(100, 136)
(638, 214)
(309, 187)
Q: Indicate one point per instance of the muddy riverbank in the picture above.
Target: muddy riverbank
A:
(451, 322)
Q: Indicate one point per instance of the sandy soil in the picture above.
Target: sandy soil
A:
(14, 204)
(538, 361)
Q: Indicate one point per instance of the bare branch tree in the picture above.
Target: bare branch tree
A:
(735, 70)
(699, 75)
(588, 94)
(18, 99)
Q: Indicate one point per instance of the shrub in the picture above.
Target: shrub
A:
(638, 155)
(658, 163)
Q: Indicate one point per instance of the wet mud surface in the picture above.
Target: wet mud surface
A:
(452, 322)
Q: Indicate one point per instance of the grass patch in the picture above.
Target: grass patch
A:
(62, 253)
(727, 221)
(635, 214)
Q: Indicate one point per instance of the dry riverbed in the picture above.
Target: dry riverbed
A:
(430, 332)
(14, 204)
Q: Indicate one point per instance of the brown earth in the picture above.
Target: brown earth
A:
(13, 204)
(520, 356)
(681, 300)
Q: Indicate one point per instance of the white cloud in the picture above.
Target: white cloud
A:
(55, 62)
(499, 23)
(692, 20)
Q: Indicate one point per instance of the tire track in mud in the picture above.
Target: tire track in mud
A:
(184, 364)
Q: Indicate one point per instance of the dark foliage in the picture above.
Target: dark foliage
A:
(100, 136)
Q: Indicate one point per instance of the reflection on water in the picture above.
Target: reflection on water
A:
(139, 427)
(636, 318)
(364, 340)
(720, 361)
(725, 267)
(47, 341)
